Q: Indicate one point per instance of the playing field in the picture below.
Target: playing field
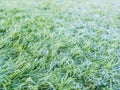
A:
(59, 44)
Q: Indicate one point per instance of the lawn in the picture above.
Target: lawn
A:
(59, 44)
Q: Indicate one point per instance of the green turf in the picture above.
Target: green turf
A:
(59, 44)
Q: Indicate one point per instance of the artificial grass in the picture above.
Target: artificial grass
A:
(59, 45)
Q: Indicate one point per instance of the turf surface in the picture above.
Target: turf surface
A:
(59, 45)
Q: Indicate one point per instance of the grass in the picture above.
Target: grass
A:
(59, 45)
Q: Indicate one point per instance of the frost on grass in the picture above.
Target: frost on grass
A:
(59, 45)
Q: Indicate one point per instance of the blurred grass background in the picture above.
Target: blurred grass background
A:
(59, 45)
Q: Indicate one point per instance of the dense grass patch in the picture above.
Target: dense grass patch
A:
(59, 45)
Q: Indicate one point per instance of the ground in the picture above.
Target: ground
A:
(59, 44)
